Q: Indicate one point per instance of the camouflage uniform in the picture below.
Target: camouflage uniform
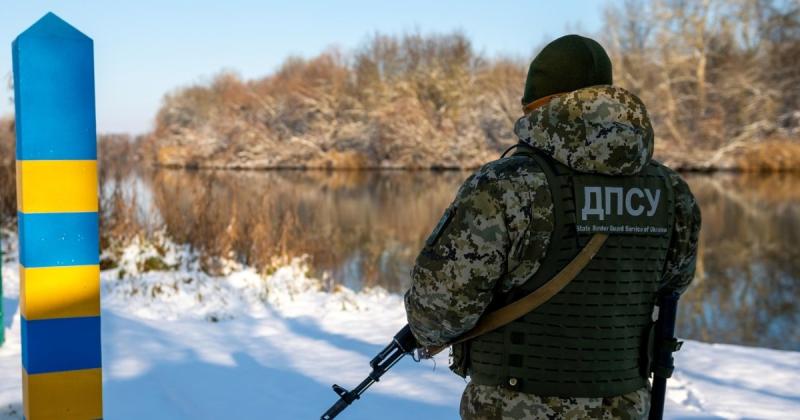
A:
(495, 402)
(496, 232)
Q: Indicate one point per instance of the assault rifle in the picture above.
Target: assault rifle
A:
(405, 343)
(402, 344)
(664, 345)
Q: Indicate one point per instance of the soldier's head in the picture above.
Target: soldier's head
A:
(569, 63)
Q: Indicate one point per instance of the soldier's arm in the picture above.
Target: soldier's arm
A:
(455, 274)
(682, 255)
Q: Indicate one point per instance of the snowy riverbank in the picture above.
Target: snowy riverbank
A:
(180, 344)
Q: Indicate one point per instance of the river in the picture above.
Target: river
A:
(364, 228)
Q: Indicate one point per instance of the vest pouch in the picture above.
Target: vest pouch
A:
(459, 359)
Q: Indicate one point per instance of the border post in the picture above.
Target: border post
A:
(58, 221)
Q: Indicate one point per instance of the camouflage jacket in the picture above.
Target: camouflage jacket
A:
(496, 232)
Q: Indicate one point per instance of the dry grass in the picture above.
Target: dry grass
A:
(357, 219)
(770, 156)
(8, 177)
(119, 218)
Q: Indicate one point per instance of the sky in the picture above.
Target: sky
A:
(147, 48)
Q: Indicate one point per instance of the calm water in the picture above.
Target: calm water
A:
(364, 229)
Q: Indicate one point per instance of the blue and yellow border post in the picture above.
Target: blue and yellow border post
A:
(58, 221)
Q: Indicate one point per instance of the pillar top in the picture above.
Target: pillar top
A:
(52, 26)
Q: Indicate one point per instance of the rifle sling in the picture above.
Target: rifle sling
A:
(533, 300)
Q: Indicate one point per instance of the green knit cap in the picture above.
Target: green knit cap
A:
(569, 63)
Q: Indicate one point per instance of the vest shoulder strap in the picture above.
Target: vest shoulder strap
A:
(557, 182)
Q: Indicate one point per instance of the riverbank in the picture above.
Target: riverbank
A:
(364, 229)
(181, 344)
(767, 156)
(776, 155)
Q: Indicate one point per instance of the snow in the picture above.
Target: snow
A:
(180, 344)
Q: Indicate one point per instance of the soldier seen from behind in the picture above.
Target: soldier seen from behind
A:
(583, 166)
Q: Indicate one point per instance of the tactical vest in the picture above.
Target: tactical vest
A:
(591, 339)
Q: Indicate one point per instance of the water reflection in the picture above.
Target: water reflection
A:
(364, 228)
(747, 284)
(360, 228)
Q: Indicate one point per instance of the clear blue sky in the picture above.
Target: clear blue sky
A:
(146, 48)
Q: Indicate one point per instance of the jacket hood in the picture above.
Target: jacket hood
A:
(600, 129)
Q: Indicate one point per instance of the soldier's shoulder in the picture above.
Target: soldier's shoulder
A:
(520, 170)
(679, 184)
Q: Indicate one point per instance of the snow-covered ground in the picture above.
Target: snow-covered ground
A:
(180, 344)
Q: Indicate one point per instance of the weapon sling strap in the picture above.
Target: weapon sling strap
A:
(533, 300)
(541, 295)
(538, 297)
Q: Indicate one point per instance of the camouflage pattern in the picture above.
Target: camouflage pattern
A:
(682, 253)
(601, 129)
(498, 226)
(482, 402)
(496, 232)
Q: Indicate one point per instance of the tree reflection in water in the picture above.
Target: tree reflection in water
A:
(748, 278)
(364, 229)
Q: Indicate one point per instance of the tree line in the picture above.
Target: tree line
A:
(721, 79)
(411, 101)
